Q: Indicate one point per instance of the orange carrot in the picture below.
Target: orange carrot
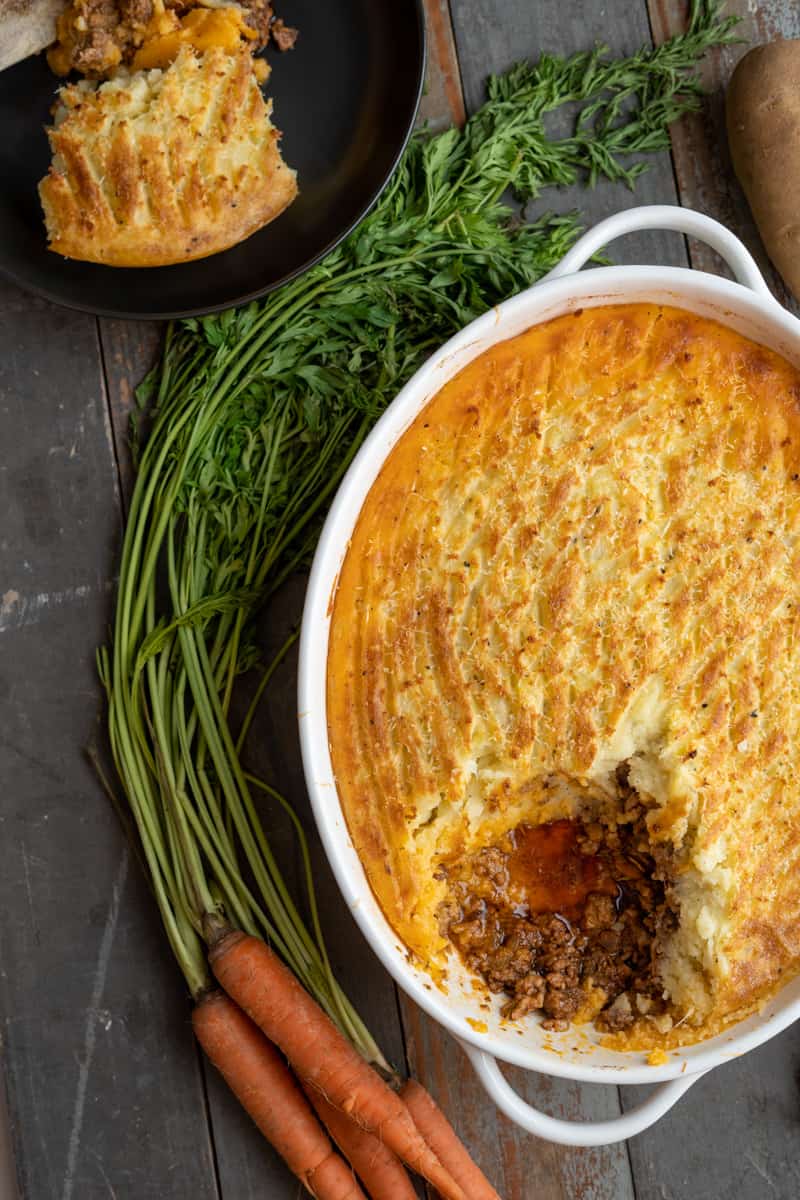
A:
(381, 1171)
(445, 1142)
(261, 1081)
(257, 980)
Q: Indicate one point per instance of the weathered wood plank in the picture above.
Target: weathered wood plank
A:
(129, 350)
(733, 1135)
(104, 1091)
(443, 101)
(706, 180)
(491, 35)
(8, 1173)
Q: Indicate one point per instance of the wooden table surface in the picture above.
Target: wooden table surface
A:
(107, 1094)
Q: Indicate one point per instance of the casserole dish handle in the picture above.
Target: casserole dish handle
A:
(573, 1133)
(672, 217)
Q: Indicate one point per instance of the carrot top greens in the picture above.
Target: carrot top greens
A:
(256, 414)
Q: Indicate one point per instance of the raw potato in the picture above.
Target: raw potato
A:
(763, 117)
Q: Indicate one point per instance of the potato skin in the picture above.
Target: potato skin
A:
(763, 119)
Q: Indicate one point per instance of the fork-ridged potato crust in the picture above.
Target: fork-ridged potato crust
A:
(162, 167)
(585, 551)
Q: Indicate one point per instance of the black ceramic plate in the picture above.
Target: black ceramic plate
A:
(345, 97)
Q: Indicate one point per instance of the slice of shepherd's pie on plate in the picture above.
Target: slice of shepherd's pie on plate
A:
(158, 167)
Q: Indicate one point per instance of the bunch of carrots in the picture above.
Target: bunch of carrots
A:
(263, 1011)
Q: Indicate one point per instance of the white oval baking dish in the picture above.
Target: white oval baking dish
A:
(746, 306)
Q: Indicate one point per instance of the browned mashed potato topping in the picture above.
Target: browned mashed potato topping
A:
(573, 595)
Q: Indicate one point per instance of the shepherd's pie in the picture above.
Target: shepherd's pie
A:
(567, 632)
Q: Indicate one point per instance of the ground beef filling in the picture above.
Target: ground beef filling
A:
(95, 36)
(564, 919)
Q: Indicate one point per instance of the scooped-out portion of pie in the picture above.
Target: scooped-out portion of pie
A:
(564, 675)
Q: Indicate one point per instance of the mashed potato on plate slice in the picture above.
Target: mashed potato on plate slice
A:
(164, 166)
